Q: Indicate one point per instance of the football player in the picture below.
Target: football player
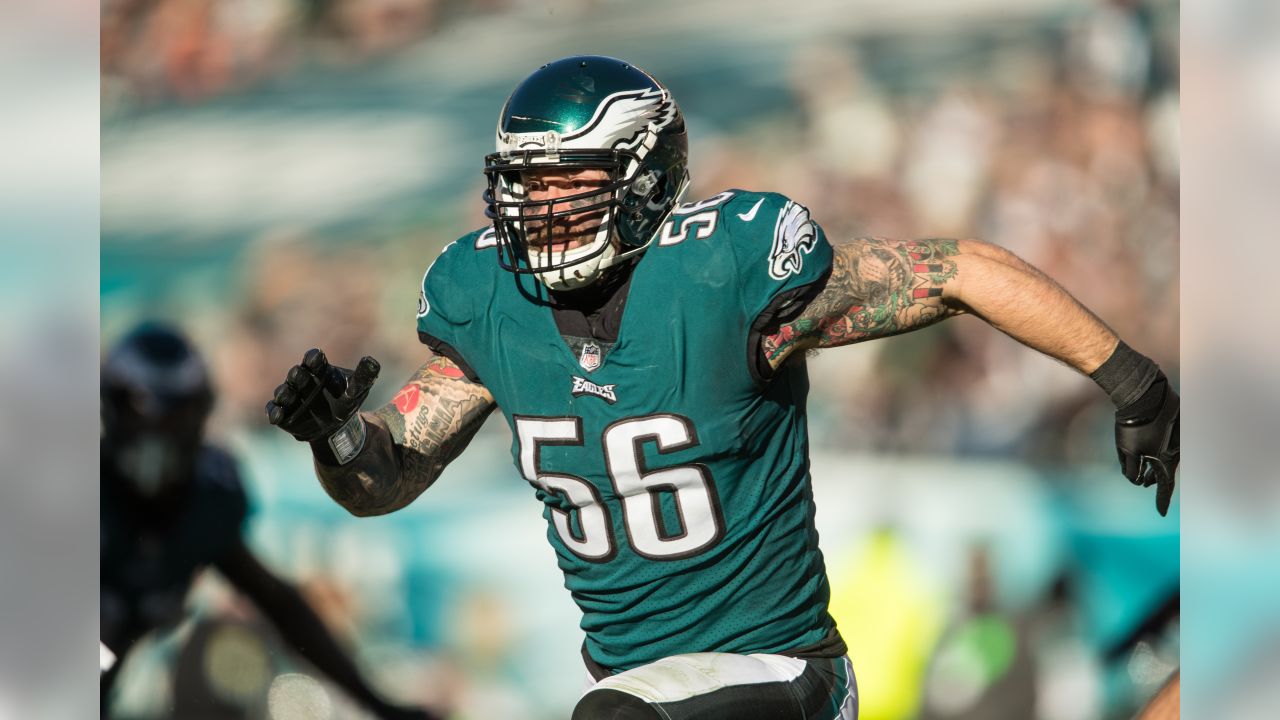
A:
(172, 505)
(647, 354)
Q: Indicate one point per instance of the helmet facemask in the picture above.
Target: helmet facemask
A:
(569, 239)
(634, 136)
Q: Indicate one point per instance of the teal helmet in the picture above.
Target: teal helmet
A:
(586, 112)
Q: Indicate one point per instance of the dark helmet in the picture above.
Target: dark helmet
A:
(587, 111)
(156, 396)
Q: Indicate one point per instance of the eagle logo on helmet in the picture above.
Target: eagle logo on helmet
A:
(620, 122)
(621, 119)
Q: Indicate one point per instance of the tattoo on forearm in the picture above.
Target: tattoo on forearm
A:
(425, 427)
(878, 287)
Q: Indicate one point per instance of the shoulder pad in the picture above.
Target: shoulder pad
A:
(482, 239)
(456, 282)
(776, 246)
(699, 219)
(457, 259)
(757, 209)
(734, 210)
(774, 231)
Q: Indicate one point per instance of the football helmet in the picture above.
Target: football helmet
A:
(156, 396)
(585, 112)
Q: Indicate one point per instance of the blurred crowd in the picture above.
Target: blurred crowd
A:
(155, 52)
(1067, 158)
(1064, 151)
(1061, 158)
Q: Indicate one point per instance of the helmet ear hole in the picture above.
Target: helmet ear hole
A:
(659, 188)
(645, 182)
(661, 198)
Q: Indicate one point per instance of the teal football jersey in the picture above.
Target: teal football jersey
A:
(675, 481)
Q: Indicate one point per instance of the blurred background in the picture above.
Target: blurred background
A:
(277, 174)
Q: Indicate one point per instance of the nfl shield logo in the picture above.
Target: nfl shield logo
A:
(590, 359)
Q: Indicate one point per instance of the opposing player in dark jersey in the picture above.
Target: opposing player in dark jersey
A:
(173, 505)
(648, 356)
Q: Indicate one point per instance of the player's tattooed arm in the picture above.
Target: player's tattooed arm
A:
(410, 440)
(880, 287)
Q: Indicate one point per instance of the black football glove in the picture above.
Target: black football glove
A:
(318, 398)
(1147, 441)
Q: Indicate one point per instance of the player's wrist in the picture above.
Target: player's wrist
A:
(342, 445)
(1130, 378)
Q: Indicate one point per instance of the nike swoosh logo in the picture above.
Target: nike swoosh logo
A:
(750, 215)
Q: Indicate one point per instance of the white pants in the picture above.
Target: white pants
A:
(715, 685)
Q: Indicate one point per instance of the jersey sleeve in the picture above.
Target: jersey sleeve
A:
(447, 301)
(781, 253)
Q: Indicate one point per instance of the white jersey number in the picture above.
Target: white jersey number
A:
(701, 217)
(595, 542)
(700, 518)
